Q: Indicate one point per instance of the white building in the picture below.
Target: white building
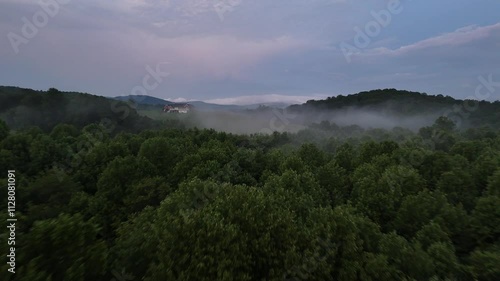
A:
(177, 108)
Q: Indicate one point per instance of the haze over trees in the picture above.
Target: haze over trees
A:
(140, 199)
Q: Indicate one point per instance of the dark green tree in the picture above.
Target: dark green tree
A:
(64, 248)
(4, 130)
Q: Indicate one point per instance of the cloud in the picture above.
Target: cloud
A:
(261, 47)
(180, 100)
(460, 37)
(269, 98)
(446, 64)
(222, 56)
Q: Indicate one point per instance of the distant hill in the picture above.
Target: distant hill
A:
(22, 108)
(200, 105)
(388, 99)
(141, 99)
(400, 103)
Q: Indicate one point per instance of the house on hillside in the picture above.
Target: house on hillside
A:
(177, 108)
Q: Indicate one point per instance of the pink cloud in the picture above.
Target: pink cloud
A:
(222, 56)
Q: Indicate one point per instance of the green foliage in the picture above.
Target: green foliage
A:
(135, 238)
(251, 236)
(335, 181)
(484, 264)
(48, 196)
(486, 220)
(70, 250)
(355, 204)
(444, 124)
(418, 210)
(163, 152)
(405, 103)
(4, 130)
(494, 184)
(22, 108)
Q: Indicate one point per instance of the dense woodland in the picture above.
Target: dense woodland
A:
(137, 199)
(25, 108)
(467, 113)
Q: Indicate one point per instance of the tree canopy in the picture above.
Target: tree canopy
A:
(329, 202)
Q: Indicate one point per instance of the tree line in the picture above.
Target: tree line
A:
(326, 203)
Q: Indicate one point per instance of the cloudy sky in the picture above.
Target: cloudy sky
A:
(244, 51)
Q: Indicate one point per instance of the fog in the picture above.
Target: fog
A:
(284, 120)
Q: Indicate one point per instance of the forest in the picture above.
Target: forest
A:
(104, 193)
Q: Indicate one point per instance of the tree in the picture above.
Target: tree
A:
(368, 150)
(345, 156)
(431, 233)
(146, 192)
(63, 131)
(251, 235)
(444, 260)
(44, 152)
(469, 149)
(4, 130)
(417, 211)
(18, 145)
(335, 180)
(409, 259)
(294, 163)
(113, 187)
(136, 238)
(325, 203)
(64, 248)
(440, 133)
(486, 220)
(445, 124)
(437, 163)
(339, 248)
(484, 264)
(312, 156)
(163, 153)
(459, 188)
(95, 161)
(299, 184)
(48, 196)
(377, 198)
(494, 184)
(407, 180)
(485, 166)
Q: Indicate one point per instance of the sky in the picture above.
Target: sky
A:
(251, 51)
